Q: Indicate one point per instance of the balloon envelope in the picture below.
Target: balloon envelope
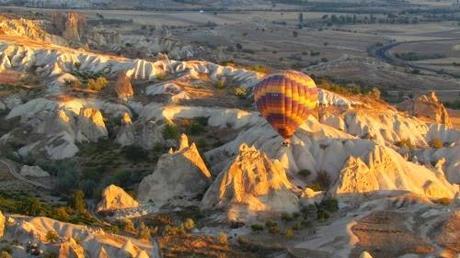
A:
(285, 100)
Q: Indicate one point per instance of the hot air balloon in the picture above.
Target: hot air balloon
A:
(285, 100)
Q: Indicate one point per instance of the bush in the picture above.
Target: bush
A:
(257, 227)
(304, 172)
(196, 128)
(143, 232)
(240, 92)
(189, 224)
(375, 93)
(52, 236)
(4, 254)
(220, 84)
(34, 207)
(289, 233)
(78, 202)
(171, 131)
(286, 217)
(128, 226)
(405, 143)
(61, 214)
(97, 84)
(223, 238)
(322, 182)
(272, 227)
(135, 153)
(174, 231)
(436, 143)
(330, 205)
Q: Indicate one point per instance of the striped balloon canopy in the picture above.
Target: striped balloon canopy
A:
(285, 100)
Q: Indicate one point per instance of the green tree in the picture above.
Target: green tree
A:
(78, 202)
(33, 207)
(143, 232)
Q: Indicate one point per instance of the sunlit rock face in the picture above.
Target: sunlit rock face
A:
(252, 185)
(180, 174)
(92, 242)
(384, 171)
(427, 106)
(91, 124)
(115, 198)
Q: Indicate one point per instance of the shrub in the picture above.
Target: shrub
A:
(171, 131)
(61, 214)
(135, 153)
(128, 226)
(322, 182)
(436, 143)
(195, 128)
(286, 217)
(97, 84)
(33, 207)
(78, 202)
(405, 143)
(272, 227)
(174, 231)
(223, 238)
(240, 92)
(257, 227)
(189, 224)
(161, 76)
(375, 93)
(260, 68)
(304, 172)
(52, 236)
(220, 84)
(331, 205)
(143, 232)
(289, 233)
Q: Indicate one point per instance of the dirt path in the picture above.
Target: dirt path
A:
(12, 169)
(383, 54)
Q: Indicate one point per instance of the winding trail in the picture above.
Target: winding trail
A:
(383, 54)
(18, 176)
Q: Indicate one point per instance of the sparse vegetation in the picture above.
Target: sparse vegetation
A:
(436, 143)
(240, 92)
(97, 84)
(405, 143)
(52, 236)
(257, 227)
(304, 173)
(413, 56)
(189, 224)
(223, 238)
(171, 131)
(322, 182)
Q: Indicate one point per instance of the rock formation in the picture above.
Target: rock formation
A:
(92, 242)
(2, 224)
(449, 235)
(427, 106)
(251, 185)
(179, 174)
(71, 249)
(385, 171)
(123, 87)
(33, 171)
(91, 124)
(115, 198)
(127, 134)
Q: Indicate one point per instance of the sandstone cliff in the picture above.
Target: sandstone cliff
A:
(115, 198)
(180, 174)
(427, 106)
(251, 185)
